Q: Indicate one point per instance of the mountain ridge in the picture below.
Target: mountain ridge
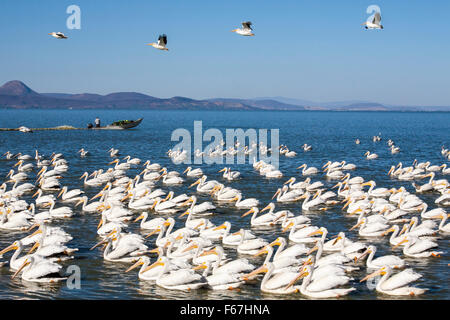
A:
(17, 95)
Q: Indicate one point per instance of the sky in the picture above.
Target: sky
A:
(314, 50)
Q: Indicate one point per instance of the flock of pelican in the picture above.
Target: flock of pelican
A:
(193, 251)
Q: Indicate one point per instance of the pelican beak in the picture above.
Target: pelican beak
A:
(193, 246)
(290, 225)
(34, 247)
(35, 194)
(8, 248)
(200, 266)
(260, 252)
(98, 195)
(265, 208)
(336, 240)
(139, 218)
(222, 226)
(98, 244)
(289, 181)
(400, 243)
(300, 276)
(222, 170)
(363, 255)
(153, 232)
(261, 269)
(356, 211)
(387, 231)
(199, 225)
(312, 250)
(302, 166)
(137, 264)
(195, 183)
(60, 193)
(32, 227)
(100, 224)
(154, 265)
(205, 253)
(248, 212)
(315, 233)
(370, 276)
(276, 193)
(26, 262)
(356, 225)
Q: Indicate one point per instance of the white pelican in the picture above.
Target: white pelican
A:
(301, 235)
(15, 262)
(284, 195)
(308, 171)
(245, 204)
(58, 35)
(375, 23)
(23, 167)
(70, 196)
(418, 248)
(182, 279)
(92, 182)
(202, 208)
(370, 156)
(41, 200)
(195, 223)
(204, 186)
(91, 208)
(193, 172)
(278, 283)
(246, 29)
(388, 260)
(42, 271)
(396, 285)
(128, 251)
(219, 281)
(251, 246)
(442, 226)
(324, 287)
(61, 212)
(120, 166)
(233, 239)
(263, 220)
(149, 224)
(230, 175)
(162, 42)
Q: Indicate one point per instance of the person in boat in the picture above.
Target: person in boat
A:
(97, 122)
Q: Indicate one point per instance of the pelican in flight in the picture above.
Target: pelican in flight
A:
(246, 29)
(162, 42)
(375, 23)
(58, 35)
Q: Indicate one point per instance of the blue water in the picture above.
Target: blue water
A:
(332, 134)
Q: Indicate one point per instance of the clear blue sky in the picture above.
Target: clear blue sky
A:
(314, 50)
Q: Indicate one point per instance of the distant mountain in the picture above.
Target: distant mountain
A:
(16, 88)
(16, 95)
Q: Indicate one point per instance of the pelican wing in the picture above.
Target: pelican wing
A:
(376, 18)
(401, 279)
(162, 40)
(180, 277)
(327, 283)
(41, 269)
(247, 25)
(280, 280)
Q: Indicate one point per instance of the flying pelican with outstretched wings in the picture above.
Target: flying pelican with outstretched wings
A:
(246, 29)
(162, 42)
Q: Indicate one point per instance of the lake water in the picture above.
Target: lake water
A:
(332, 134)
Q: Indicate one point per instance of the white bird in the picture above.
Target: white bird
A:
(58, 35)
(388, 260)
(162, 42)
(396, 285)
(375, 23)
(246, 29)
(42, 271)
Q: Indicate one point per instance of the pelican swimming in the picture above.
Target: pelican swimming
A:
(396, 285)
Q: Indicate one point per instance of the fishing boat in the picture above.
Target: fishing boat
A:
(122, 124)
